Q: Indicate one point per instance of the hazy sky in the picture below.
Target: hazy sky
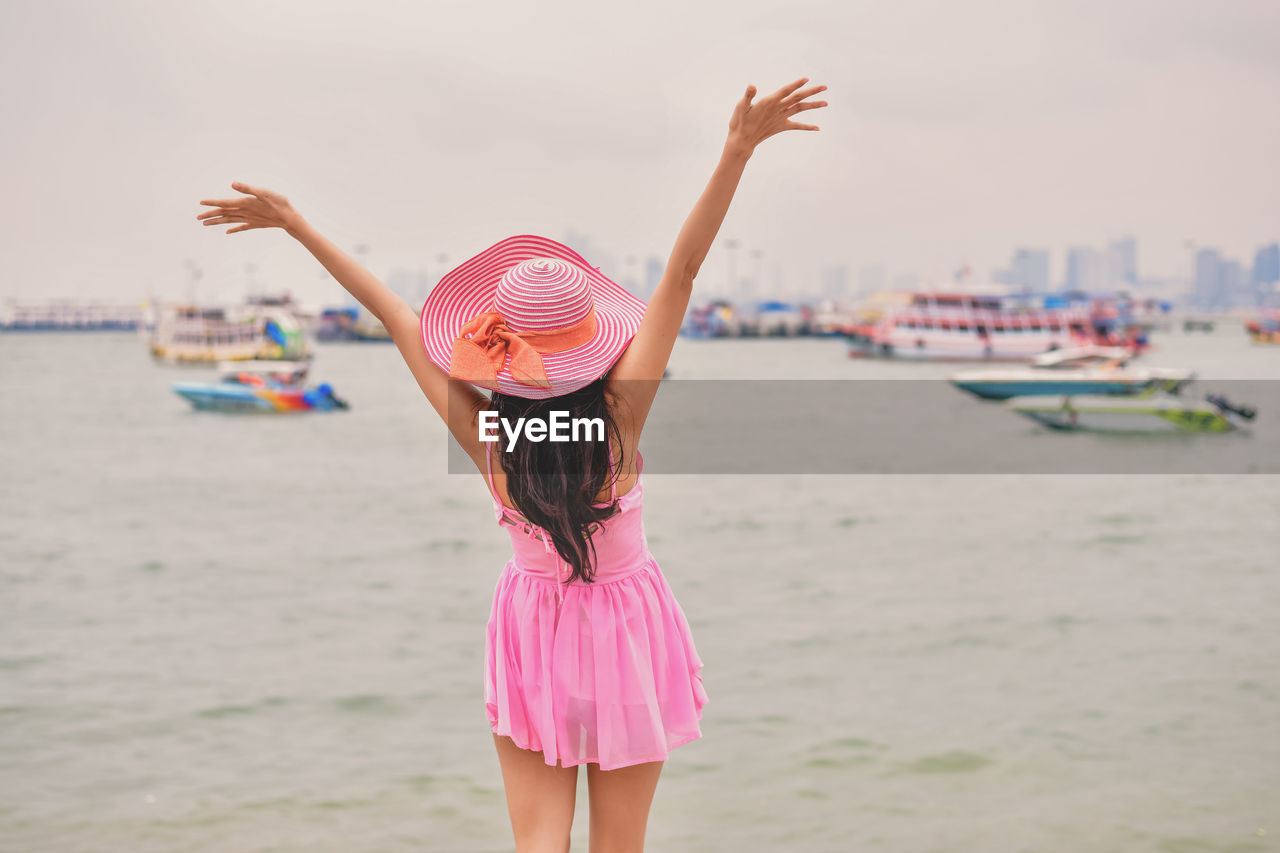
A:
(956, 131)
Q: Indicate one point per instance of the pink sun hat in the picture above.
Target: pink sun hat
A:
(529, 317)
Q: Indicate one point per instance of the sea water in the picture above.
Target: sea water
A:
(244, 633)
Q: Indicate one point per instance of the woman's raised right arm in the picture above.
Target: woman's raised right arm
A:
(634, 378)
(456, 402)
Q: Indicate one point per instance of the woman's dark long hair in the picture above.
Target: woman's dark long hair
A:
(554, 483)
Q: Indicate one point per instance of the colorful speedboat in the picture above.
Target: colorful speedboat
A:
(1265, 328)
(284, 372)
(1151, 413)
(246, 391)
(1077, 370)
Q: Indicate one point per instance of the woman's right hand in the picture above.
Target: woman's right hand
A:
(753, 123)
(258, 208)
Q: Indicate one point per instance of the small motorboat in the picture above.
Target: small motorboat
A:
(249, 391)
(1149, 413)
(1077, 370)
(1265, 328)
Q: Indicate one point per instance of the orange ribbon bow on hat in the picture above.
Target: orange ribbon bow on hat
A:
(481, 348)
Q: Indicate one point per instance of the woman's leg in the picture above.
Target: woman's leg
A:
(619, 801)
(539, 798)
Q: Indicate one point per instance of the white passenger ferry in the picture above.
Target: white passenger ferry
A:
(971, 326)
(208, 334)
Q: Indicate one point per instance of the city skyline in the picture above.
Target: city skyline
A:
(954, 134)
(1215, 280)
(1112, 267)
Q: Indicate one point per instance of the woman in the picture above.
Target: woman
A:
(589, 659)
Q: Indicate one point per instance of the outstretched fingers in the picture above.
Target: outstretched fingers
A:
(257, 208)
(797, 102)
(235, 202)
(796, 97)
(789, 88)
(227, 217)
(241, 223)
(217, 211)
(810, 105)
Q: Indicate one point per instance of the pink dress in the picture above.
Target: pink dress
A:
(604, 672)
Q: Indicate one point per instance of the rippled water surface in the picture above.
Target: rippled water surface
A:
(265, 633)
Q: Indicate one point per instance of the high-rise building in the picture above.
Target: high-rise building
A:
(1122, 263)
(1084, 269)
(1207, 290)
(1266, 265)
(1237, 289)
(1029, 270)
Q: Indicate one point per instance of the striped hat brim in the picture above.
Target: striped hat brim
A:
(468, 290)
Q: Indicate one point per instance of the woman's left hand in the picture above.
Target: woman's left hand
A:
(258, 208)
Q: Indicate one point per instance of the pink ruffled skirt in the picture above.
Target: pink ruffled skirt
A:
(609, 675)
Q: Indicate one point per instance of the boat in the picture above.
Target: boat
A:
(829, 319)
(1265, 328)
(716, 319)
(207, 334)
(986, 326)
(66, 315)
(1151, 314)
(1076, 370)
(349, 324)
(283, 372)
(773, 318)
(1155, 412)
(250, 391)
